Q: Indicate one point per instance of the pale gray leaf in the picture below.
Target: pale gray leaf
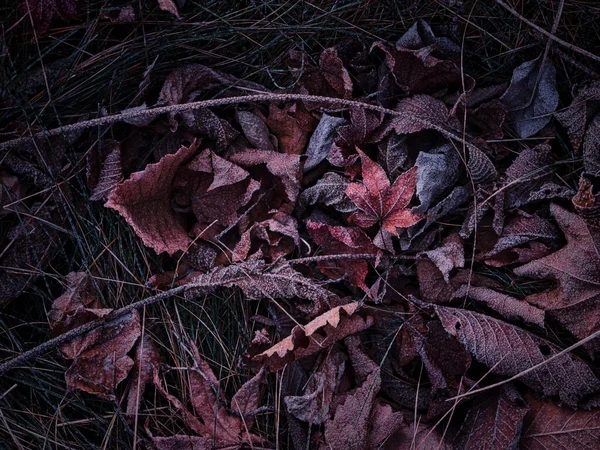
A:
(321, 140)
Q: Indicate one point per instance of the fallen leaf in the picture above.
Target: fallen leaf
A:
(330, 190)
(378, 202)
(493, 422)
(548, 426)
(144, 200)
(575, 302)
(531, 97)
(110, 173)
(255, 129)
(437, 172)
(171, 6)
(581, 119)
(146, 362)
(338, 240)
(292, 126)
(100, 360)
(321, 141)
(508, 350)
(326, 329)
(449, 255)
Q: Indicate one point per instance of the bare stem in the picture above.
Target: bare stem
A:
(83, 329)
(124, 116)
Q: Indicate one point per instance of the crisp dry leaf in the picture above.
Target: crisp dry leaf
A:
(146, 362)
(255, 129)
(292, 126)
(508, 350)
(449, 255)
(330, 79)
(210, 419)
(392, 155)
(171, 6)
(330, 190)
(493, 422)
(110, 175)
(378, 201)
(100, 360)
(272, 238)
(549, 426)
(575, 302)
(45, 12)
(321, 140)
(313, 407)
(326, 329)
(531, 97)
(587, 204)
(581, 119)
(259, 280)
(144, 200)
(437, 173)
(421, 35)
(359, 421)
(283, 166)
(503, 304)
(336, 240)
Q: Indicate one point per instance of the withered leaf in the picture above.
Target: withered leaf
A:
(313, 407)
(255, 130)
(110, 175)
(549, 426)
(171, 6)
(508, 350)
(505, 305)
(575, 302)
(292, 126)
(146, 362)
(359, 420)
(260, 280)
(437, 172)
(283, 166)
(392, 154)
(144, 200)
(100, 360)
(330, 190)
(210, 419)
(378, 201)
(321, 140)
(337, 240)
(531, 97)
(449, 255)
(581, 119)
(329, 327)
(493, 422)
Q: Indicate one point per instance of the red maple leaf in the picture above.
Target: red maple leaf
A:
(378, 201)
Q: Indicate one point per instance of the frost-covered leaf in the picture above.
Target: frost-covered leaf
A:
(549, 426)
(575, 302)
(449, 255)
(437, 173)
(255, 130)
(110, 174)
(508, 350)
(380, 202)
(321, 140)
(144, 200)
(493, 422)
(531, 97)
(100, 360)
(330, 190)
(326, 329)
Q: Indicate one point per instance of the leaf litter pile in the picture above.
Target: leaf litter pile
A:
(415, 276)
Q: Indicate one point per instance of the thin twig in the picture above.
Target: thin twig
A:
(85, 328)
(548, 34)
(124, 116)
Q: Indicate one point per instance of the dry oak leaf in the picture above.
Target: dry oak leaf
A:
(144, 200)
(304, 340)
(100, 360)
(508, 350)
(493, 422)
(146, 362)
(338, 240)
(549, 426)
(216, 426)
(575, 302)
(378, 201)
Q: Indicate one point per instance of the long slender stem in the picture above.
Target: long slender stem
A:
(124, 116)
